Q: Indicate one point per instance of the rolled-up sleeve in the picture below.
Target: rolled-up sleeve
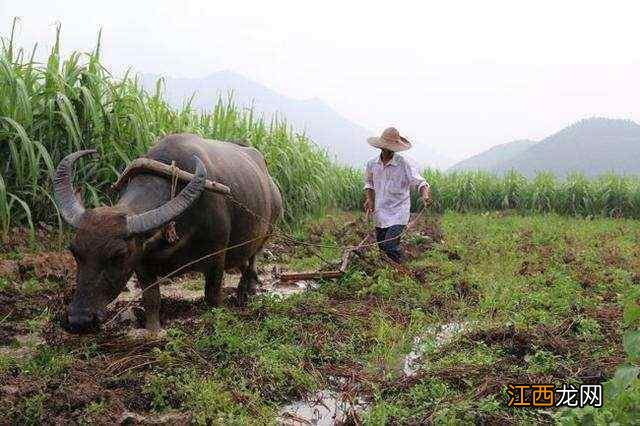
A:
(415, 177)
(368, 176)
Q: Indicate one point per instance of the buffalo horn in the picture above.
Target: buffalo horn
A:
(63, 191)
(147, 221)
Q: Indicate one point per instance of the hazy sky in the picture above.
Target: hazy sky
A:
(459, 76)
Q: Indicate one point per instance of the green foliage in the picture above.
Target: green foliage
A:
(542, 362)
(390, 345)
(50, 109)
(7, 363)
(210, 402)
(47, 362)
(157, 389)
(34, 286)
(631, 343)
(408, 407)
(95, 408)
(33, 409)
(588, 328)
(5, 284)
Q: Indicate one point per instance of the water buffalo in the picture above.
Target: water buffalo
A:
(111, 243)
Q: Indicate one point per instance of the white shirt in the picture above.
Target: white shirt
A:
(391, 184)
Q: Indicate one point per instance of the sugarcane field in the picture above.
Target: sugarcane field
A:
(232, 249)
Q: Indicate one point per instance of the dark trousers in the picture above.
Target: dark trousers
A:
(389, 241)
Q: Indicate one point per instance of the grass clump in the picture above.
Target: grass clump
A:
(7, 363)
(33, 408)
(211, 403)
(47, 362)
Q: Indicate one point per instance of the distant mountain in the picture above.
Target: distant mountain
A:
(342, 138)
(492, 157)
(592, 146)
(339, 136)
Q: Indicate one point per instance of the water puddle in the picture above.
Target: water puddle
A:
(322, 408)
(170, 418)
(181, 288)
(188, 289)
(432, 339)
(286, 289)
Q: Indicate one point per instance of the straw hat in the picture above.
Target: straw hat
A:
(391, 140)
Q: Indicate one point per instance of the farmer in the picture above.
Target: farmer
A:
(388, 178)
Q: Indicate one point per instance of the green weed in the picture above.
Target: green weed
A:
(33, 408)
(34, 286)
(95, 408)
(7, 363)
(157, 389)
(5, 284)
(47, 362)
(209, 401)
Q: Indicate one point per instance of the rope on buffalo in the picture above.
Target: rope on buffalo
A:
(169, 231)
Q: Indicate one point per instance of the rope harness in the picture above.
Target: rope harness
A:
(169, 232)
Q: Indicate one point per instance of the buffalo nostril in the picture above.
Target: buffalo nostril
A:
(74, 327)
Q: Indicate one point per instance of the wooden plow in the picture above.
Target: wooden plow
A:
(314, 275)
(347, 255)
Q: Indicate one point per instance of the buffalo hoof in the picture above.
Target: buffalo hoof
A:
(214, 301)
(238, 300)
(241, 301)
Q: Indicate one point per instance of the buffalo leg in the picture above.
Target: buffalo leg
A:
(151, 302)
(248, 281)
(213, 283)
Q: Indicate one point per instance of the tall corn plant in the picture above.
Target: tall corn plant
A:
(613, 195)
(61, 105)
(608, 195)
(511, 187)
(541, 192)
(575, 196)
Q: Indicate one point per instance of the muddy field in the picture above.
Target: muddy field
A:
(484, 300)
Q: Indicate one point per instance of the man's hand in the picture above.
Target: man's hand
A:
(368, 206)
(425, 195)
(368, 202)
